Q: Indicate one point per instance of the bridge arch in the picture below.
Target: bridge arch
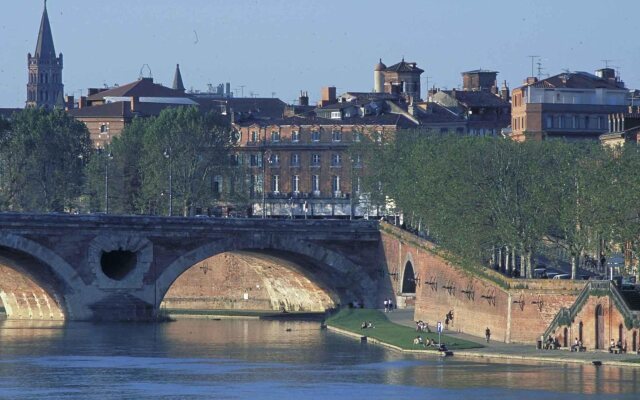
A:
(35, 280)
(327, 268)
(408, 277)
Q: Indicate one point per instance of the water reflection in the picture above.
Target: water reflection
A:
(260, 359)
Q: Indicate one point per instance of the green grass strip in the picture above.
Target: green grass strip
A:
(388, 332)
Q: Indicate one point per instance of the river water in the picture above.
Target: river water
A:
(250, 359)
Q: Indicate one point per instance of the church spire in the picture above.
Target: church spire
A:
(177, 80)
(45, 47)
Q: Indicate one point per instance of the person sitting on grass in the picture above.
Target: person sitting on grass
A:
(419, 341)
(370, 325)
(364, 325)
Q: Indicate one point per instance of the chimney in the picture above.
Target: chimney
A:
(504, 92)
(82, 102)
(69, 102)
(303, 100)
(328, 96)
(134, 103)
(530, 80)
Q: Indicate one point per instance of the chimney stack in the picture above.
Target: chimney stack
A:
(134, 103)
(303, 100)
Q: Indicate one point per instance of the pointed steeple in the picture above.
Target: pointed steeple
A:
(45, 47)
(177, 80)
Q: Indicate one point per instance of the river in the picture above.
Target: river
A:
(251, 359)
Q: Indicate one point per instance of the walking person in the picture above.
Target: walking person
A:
(386, 305)
(487, 334)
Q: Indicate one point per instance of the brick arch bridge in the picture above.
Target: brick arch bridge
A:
(99, 267)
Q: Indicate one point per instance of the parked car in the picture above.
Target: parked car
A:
(551, 274)
(540, 273)
(562, 276)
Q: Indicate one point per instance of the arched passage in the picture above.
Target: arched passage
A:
(34, 280)
(27, 289)
(408, 279)
(250, 281)
(331, 271)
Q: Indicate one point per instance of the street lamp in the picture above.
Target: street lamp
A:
(109, 157)
(265, 155)
(167, 154)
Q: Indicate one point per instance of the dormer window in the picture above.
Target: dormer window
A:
(275, 136)
(336, 115)
(295, 136)
(336, 136)
(104, 128)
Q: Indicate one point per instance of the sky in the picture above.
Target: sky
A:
(278, 48)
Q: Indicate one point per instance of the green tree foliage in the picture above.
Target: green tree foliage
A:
(193, 147)
(42, 155)
(476, 194)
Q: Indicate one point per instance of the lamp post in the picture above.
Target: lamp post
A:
(109, 157)
(167, 154)
(265, 155)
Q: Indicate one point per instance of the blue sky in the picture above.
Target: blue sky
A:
(287, 46)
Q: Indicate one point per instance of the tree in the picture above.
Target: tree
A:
(189, 147)
(42, 157)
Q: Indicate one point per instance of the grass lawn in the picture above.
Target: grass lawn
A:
(388, 332)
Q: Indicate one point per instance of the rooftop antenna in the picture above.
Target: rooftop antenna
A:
(242, 90)
(540, 69)
(142, 69)
(533, 60)
(606, 63)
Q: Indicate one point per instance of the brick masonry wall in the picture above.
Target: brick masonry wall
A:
(22, 298)
(221, 282)
(519, 310)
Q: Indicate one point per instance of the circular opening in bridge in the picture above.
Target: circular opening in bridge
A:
(117, 264)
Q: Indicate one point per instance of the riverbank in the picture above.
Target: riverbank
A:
(243, 314)
(388, 333)
(490, 351)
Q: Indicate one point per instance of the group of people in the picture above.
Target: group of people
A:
(577, 345)
(366, 324)
(552, 343)
(419, 341)
(422, 326)
(388, 305)
(617, 347)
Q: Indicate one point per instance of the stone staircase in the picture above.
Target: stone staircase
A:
(627, 302)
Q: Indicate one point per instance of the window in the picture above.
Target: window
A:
(274, 160)
(217, 185)
(315, 160)
(275, 136)
(336, 115)
(357, 161)
(574, 122)
(295, 183)
(315, 183)
(234, 159)
(336, 136)
(295, 160)
(104, 128)
(295, 136)
(275, 183)
(357, 136)
(548, 122)
(254, 160)
(336, 159)
(254, 136)
(335, 185)
(315, 136)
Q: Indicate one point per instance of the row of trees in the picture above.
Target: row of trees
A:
(477, 194)
(47, 164)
